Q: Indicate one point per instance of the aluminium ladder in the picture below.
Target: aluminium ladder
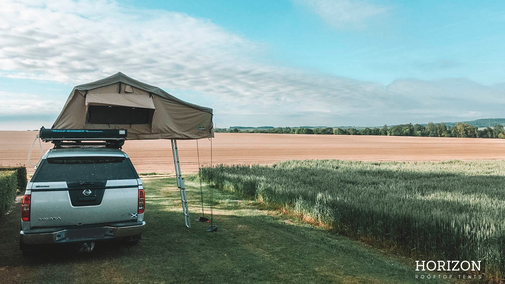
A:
(180, 183)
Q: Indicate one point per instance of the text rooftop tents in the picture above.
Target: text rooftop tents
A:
(145, 111)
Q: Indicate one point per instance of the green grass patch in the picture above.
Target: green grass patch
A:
(448, 210)
(21, 176)
(252, 245)
(149, 174)
(8, 185)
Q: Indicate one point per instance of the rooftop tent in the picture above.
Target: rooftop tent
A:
(145, 111)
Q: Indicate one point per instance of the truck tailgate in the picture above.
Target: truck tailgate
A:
(59, 204)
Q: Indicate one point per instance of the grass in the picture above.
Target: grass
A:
(252, 245)
(447, 210)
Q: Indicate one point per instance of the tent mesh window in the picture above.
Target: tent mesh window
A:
(119, 115)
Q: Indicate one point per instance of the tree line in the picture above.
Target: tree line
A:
(429, 130)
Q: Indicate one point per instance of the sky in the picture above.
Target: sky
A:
(262, 63)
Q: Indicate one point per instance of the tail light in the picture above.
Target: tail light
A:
(25, 208)
(142, 201)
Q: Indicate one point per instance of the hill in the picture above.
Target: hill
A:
(480, 123)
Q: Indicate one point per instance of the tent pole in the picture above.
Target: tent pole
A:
(180, 183)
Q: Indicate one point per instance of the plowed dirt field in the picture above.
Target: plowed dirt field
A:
(250, 148)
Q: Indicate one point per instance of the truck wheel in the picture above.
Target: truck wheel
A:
(27, 250)
(132, 240)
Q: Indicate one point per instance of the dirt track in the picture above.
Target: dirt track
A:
(229, 148)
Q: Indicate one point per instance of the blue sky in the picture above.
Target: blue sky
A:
(420, 39)
(279, 63)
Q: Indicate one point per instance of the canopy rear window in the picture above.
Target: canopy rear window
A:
(119, 115)
(84, 169)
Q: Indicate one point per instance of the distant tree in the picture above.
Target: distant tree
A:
(408, 129)
(460, 130)
(327, 130)
(396, 130)
(366, 131)
(432, 129)
(441, 130)
(484, 133)
(277, 130)
(302, 130)
(452, 131)
(466, 130)
(471, 130)
(340, 131)
(497, 129)
(419, 130)
(489, 132)
(384, 130)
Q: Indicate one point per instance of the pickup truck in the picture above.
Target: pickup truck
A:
(82, 195)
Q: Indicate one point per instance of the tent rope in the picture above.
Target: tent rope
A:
(30, 153)
(211, 190)
(212, 227)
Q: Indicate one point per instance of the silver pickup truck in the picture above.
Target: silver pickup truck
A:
(82, 195)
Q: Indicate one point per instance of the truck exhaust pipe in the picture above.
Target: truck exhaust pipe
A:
(87, 247)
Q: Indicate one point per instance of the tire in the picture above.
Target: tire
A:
(133, 243)
(132, 240)
(27, 250)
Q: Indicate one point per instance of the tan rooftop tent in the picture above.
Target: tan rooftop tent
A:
(145, 111)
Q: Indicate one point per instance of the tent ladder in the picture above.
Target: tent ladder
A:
(180, 183)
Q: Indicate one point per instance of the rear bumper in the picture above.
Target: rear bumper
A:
(59, 235)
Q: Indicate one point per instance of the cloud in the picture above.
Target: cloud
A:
(75, 42)
(344, 14)
(21, 111)
(449, 99)
(70, 41)
(437, 65)
(23, 105)
(81, 41)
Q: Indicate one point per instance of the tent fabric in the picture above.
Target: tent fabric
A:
(109, 95)
(118, 96)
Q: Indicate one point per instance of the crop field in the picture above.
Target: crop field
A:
(252, 245)
(444, 210)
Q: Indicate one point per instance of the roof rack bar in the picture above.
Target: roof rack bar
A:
(79, 143)
(49, 135)
(110, 138)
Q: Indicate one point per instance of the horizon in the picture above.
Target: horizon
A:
(322, 126)
(288, 62)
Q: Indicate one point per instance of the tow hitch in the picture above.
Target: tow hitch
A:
(87, 247)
